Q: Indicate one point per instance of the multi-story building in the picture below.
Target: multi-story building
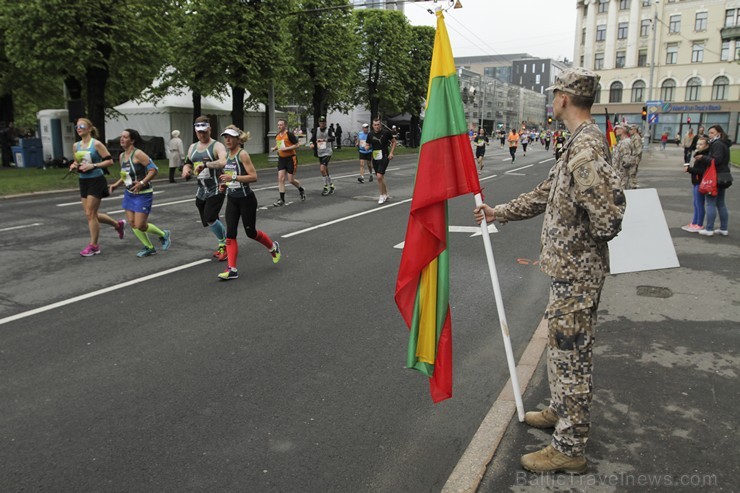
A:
(685, 53)
(494, 104)
(378, 4)
(537, 74)
(497, 67)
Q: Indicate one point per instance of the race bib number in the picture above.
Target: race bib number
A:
(362, 144)
(322, 145)
(378, 154)
(481, 143)
(83, 157)
(232, 177)
(205, 173)
(281, 144)
(127, 180)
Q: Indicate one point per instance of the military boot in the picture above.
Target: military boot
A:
(541, 419)
(551, 460)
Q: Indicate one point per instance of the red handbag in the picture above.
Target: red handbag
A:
(708, 185)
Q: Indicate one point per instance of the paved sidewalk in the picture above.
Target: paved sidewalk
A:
(665, 413)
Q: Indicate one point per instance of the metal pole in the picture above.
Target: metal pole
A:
(646, 125)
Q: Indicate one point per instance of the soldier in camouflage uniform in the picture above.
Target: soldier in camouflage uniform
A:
(636, 138)
(624, 154)
(583, 204)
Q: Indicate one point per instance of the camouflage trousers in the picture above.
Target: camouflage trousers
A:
(571, 315)
(632, 181)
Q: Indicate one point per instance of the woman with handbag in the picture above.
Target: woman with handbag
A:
(719, 152)
(697, 172)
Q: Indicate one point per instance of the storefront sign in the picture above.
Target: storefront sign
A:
(694, 107)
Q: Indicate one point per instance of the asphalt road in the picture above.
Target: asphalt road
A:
(290, 378)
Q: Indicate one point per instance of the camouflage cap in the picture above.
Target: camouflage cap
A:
(576, 80)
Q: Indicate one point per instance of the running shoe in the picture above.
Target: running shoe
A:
(90, 250)
(166, 240)
(121, 228)
(325, 192)
(146, 251)
(275, 252)
(360, 179)
(228, 274)
(331, 188)
(220, 254)
(722, 232)
(303, 193)
(382, 199)
(706, 232)
(692, 228)
(279, 203)
(371, 177)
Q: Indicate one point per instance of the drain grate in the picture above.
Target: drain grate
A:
(654, 292)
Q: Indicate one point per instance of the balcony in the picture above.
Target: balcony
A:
(729, 33)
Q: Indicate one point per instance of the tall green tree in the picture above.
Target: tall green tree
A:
(420, 60)
(106, 50)
(326, 54)
(385, 60)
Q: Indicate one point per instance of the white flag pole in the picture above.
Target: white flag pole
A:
(501, 313)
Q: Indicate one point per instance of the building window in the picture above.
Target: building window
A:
(731, 16)
(693, 89)
(719, 88)
(697, 53)
(597, 96)
(537, 79)
(674, 25)
(601, 32)
(622, 30)
(624, 4)
(615, 92)
(598, 61)
(638, 92)
(619, 60)
(667, 90)
(583, 36)
(646, 3)
(700, 23)
(642, 58)
(645, 28)
(603, 6)
(724, 52)
(582, 59)
(671, 54)
(525, 68)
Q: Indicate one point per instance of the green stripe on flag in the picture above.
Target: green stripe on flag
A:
(444, 115)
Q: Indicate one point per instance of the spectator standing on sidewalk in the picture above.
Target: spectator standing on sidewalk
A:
(688, 141)
(663, 141)
(338, 136)
(366, 155)
(177, 154)
(583, 204)
(286, 144)
(719, 151)
(697, 172)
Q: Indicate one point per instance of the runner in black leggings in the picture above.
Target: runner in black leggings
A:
(238, 173)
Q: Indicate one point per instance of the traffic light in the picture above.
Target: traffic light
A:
(644, 112)
(688, 119)
(549, 120)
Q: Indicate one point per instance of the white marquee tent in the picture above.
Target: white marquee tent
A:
(175, 112)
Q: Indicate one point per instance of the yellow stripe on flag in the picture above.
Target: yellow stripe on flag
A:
(426, 346)
(443, 63)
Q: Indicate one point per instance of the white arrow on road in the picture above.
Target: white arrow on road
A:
(463, 229)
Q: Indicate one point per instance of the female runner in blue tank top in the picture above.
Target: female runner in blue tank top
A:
(137, 172)
(238, 173)
(90, 157)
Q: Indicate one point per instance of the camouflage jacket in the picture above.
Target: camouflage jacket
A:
(624, 155)
(637, 147)
(583, 203)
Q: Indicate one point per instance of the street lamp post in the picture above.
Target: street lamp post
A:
(646, 123)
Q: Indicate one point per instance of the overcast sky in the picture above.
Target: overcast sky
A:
(542, 28)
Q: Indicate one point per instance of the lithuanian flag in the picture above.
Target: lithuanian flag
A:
(446, 169)
(611, 137)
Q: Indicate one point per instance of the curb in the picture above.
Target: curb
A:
(469, 471)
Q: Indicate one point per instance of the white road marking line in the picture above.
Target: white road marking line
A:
(81, 297)
(546, 160)
(487, 178)
(517, 169)
(341, 219)
(21, 227)
(120, 197)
